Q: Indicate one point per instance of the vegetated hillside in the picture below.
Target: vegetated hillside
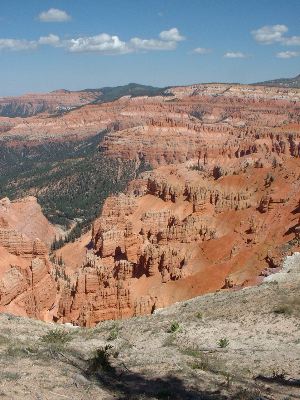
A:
(240, 345)
(70, 179)
(61, 101)
(132, 89)
(282, 82)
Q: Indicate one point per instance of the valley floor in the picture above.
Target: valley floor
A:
(175, 353)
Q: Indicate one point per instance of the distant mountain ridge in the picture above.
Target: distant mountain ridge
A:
(282, 82)
(62, 100)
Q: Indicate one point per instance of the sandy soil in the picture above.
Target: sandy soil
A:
(147, 360)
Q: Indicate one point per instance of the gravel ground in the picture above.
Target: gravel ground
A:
(228, 345)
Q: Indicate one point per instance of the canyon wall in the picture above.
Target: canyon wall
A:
(26, 284)
(218, 208)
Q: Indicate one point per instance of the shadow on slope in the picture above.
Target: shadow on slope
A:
(131, 385)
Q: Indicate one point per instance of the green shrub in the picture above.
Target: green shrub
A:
(56, 337)
(223, 342)
(100, 360)
(113, 334)
(174, 327)
(285, 309)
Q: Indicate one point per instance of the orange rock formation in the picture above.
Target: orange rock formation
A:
(26, 284)
(219, 209)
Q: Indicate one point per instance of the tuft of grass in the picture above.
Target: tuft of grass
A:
(9, 376)
(4, 340)
(169, 341)
(191, 352)
(113, 334)
(247, 394)
(56, 338)
(223, 343)
(174, 327)
(199, 315)
(284, 309)
(208, 363)
(100, 361)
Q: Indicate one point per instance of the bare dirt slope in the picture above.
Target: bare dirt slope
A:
(173, 354)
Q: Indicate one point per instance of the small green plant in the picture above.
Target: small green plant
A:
(169, 341)
(196, 364)
(113, 334)
(100, 360)
(228, 378)
(174, 327)
(203, 363)
(56, 337)
(279, 374)
(223, 343)
(284, 309)
(199, 315)
(192, 352)
(10, 376)
(247, 394)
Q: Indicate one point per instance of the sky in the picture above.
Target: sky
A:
(77, 44)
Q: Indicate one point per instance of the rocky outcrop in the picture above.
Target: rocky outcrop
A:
(26, 285)
(222, 195)
(53, 102)
(183, 234)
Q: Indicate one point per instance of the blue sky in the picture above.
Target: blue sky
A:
(76, 44)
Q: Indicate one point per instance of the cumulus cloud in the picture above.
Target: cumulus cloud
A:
(51, 40)
(172, 35)
(292, 41)
(54, 15)
(235, 54)
(151, 44)
(201, 50)
(270, 34)
(17, 44)
(288, 54)
(103, 43)
(112, 44)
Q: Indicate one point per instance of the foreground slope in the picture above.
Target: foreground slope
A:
(172, 354)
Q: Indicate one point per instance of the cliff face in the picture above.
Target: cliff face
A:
(26, 285)
(53, 102)
(184, 234)
(197, 113)
(219, 209)
(220, 214)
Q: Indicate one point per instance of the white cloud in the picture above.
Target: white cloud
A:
(108, 44)
(292, 41)
(151, 44)
(54, 15)
(17, 44)
(51, 40)
(288, 54)
(103, 43)
(172, 35)
(235, 54)
(202, 50)
(270, 34)
(168, 41)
